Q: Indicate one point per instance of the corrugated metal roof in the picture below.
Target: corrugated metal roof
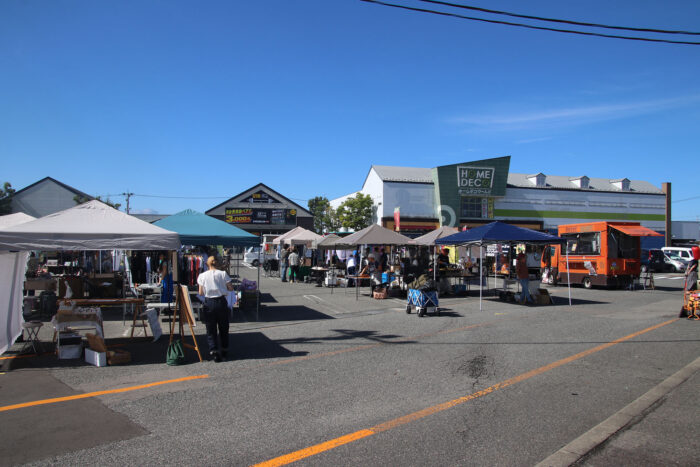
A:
(557, 182)
(403, 174)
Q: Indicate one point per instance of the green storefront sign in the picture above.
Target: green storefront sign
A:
(485, 178)
(475, 180)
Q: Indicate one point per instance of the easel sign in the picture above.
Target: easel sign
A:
(185, 316)
(187, 304)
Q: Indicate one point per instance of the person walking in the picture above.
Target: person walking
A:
(294, 265)
(523, 277)
(284, 262)
(214, 285)
(691, 271)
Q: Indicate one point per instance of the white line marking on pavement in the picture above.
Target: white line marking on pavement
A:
(319, 301)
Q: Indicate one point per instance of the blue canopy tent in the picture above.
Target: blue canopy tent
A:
(196, 228)
(499, 232)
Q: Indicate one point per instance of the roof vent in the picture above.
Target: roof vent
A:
(539, 180)
(581, 182)
(623, 184)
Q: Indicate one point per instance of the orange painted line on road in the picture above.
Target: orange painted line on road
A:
(313, 450)
(328, 445)
(97, 393)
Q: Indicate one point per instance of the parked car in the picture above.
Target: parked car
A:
(253, 255)
(653, 260)
(684, 253)
(675, 263)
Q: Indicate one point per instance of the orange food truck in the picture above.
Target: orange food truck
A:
(600, 253)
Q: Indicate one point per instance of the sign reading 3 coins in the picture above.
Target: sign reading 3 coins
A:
(475, 180)
(261, 216)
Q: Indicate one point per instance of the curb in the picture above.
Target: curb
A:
(600, 433)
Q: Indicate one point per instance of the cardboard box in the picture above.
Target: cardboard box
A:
(95, 358)
(118, 357)
(67, 352)
(380, 294)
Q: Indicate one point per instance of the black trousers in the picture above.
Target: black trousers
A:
(215, 319)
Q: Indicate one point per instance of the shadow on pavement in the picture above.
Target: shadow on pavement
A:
(255, 345)
(278, 313)
(349, 335)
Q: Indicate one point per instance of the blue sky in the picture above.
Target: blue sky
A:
(188, 103)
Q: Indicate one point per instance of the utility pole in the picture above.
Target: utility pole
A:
(128, 195)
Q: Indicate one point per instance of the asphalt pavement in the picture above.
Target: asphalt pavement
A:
(325, 376)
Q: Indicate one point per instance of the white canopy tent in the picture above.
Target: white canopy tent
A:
(282, 239)
(89, 226)
(13, 267)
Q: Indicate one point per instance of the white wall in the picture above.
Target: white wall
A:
(686, 229)
(583, 201)
(414, 199)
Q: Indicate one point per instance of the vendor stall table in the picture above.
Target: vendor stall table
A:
(136, 306)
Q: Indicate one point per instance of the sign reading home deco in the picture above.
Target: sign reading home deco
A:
(475, 180)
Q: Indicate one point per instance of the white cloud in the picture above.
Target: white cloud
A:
(570, 116)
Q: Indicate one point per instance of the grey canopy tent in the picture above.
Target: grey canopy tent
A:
(89, 226)
(499, 232)
(429, 240)
(373, 235)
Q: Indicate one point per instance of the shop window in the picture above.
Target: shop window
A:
(583, 243)
(473, 208)
(622, 246)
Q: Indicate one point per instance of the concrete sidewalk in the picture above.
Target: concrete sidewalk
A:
(659, 428)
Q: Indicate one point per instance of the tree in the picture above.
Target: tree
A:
(6, 194)
(81, 199)
(356, 213)
(319, 207)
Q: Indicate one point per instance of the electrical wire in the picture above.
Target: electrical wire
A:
(685, 199)
(528, 26)
(564, 21)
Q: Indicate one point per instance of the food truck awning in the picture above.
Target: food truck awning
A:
(636, 231)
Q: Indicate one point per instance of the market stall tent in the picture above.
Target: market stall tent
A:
(429, 238)
(89, 226)
(281, 240)
(303, 237)
(326, 243)
(17, 218)
(13, 266)
(500, 232)
(373, 235)
(196, 228)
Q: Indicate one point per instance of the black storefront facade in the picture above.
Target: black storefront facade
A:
(260, 210)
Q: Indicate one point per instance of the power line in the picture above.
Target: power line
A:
(564, 21)
(181, 197)
(685, 199)
(528, 26)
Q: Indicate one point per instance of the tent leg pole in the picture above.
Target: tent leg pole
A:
(568, 271)
(481, 274)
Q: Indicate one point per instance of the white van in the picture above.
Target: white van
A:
(254, 255)
(684, 253)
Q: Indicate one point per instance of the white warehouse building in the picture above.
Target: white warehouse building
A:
(478, 192)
